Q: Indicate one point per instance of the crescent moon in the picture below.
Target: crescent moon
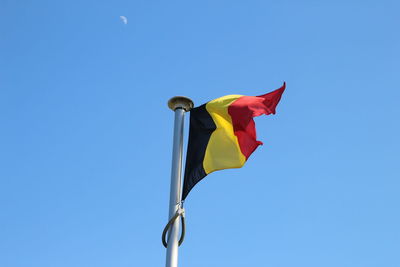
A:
(124, 19)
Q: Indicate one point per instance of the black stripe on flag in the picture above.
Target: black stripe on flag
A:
(200, 130)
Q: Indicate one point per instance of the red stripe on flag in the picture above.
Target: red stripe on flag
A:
(244, 109)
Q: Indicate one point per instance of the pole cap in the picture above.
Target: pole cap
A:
(180, 102)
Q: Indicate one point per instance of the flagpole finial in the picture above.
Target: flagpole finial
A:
(180, 102)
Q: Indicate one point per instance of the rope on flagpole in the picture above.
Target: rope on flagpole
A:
(179, 213)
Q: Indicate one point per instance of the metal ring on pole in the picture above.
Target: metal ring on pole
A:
(180, 212)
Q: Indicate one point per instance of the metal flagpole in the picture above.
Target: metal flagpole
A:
(179, 105)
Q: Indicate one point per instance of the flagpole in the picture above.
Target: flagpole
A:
(179, 105)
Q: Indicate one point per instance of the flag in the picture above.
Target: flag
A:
(222, 134)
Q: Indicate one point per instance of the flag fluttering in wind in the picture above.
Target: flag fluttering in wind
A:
(222, 134)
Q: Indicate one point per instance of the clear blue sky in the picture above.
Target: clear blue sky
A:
(85, 132)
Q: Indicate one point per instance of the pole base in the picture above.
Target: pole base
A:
(180, 102)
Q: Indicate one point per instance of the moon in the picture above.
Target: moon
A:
(124, 19)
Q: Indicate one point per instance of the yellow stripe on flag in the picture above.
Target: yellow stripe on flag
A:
(223, 149)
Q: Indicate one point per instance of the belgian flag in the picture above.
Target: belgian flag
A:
(222, 134)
